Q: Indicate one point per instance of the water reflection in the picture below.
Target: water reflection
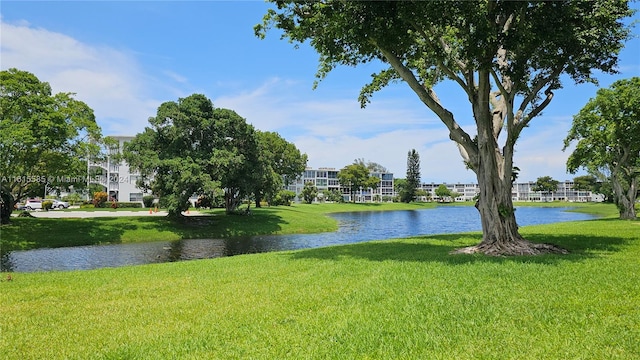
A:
(354, 227)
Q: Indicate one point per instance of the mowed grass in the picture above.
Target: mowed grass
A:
(394, 299)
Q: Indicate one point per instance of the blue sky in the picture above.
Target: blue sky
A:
(125, 58)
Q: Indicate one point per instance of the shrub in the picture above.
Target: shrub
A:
(148, 200)
(126, 205)
(99, 198)
(283, 197)
(87, 206)
(73, 199)
(46, 205)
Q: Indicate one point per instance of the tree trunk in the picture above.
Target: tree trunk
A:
(500, 234)
(494, 169)
(625, 200)
(231, 199)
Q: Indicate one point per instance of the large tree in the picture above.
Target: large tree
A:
(193, 148)
(44, 138)
(280, 163)
(507, 57)
(309, 192)
(607, 130)
(235, 158)
(545, 185)
(357, 177)
(413, 177)
(443, 193)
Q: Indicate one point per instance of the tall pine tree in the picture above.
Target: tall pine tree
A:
(413, 176)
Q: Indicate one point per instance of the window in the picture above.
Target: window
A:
(135, 197)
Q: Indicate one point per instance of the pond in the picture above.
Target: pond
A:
(354, 227)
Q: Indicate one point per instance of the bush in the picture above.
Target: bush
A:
(87, 206)
(148, 200)
(99, 198)
(46, 205)
(126, 205)
(283, 197)
(73, 199)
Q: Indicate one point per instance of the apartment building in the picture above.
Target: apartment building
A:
(565, 192)
(520, 192)
(116, 177)
(327, 179)
(119, 181)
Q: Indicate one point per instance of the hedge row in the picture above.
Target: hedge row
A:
(114, 205)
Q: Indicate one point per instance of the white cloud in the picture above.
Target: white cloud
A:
(108, 80)
(539, 151)
(439, 157)
(334, 132)
(285, 104)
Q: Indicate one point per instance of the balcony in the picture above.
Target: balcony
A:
(98, 179)
(102, 165)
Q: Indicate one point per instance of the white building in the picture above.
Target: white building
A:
(520, 192)
(119, 181)
(326, 179)
(116, 178)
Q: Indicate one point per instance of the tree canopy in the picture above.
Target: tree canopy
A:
(502, 54)
(584, 183)
(309, 192)
(45, 138)
(545, 185)
(442, 192)
(371, 166)
(357, 177)
(193, 148)
(280, 163)
(607, 131)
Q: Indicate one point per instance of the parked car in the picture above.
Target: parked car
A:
(57, 204)
(33, 204)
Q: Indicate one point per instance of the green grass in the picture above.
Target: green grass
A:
(395, 299)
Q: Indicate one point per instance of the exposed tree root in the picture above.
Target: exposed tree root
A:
(513, 248)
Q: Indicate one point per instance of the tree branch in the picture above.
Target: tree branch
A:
(526, 119)
(427, 96)
(542, 82)
(447, 50)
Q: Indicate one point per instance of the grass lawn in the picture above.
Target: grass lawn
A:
(395, 299)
